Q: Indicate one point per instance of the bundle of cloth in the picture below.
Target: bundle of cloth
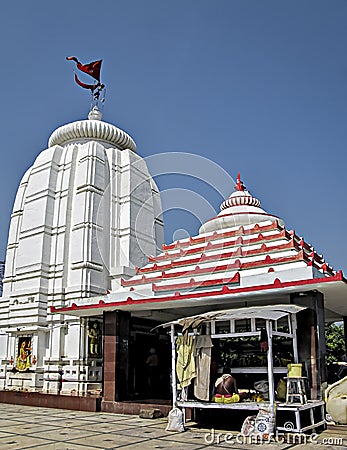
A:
(193, 363)
(336, 401)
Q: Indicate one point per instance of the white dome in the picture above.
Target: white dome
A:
(241, 208)
(92, 129)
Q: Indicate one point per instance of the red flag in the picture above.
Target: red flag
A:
(92, 87)
(93, 69)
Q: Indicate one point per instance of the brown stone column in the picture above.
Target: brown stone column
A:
(311, 338)
(116, 357)
(109, 363)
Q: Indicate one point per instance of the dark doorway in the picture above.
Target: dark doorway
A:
(150, 362)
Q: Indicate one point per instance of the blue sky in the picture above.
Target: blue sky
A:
(255, 86)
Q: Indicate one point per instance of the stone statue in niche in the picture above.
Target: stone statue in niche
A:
(23, 361)
(94, 339)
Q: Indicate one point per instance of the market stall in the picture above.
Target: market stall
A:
(191, 342)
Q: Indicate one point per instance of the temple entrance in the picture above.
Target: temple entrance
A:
(149, 362)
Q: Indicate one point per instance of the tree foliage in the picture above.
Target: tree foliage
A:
(335, 342)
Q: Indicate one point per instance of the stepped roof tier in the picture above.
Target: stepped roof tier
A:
(239, 258)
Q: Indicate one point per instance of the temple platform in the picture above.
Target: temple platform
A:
(25, 426)
(80, 403)
(38, 399)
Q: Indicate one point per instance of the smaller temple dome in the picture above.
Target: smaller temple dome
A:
(241, 208)
(240, 198)
(92, 129)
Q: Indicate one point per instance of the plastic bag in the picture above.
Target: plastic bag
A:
(261, 425)
(248, 426)
(175, 421)
(264, 421)
(262, 386)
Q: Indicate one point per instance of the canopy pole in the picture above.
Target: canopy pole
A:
(295, 338)
(173, 366)
(270, 366)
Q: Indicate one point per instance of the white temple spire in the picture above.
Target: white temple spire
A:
(241, 208)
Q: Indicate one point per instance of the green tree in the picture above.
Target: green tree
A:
(335, 342)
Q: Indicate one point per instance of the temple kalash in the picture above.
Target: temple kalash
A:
(228, 321)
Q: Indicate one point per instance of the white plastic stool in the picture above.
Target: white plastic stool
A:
(296, 391)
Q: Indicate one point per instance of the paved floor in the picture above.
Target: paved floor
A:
(26, 427)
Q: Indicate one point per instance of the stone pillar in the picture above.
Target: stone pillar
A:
(311, 339)
(116, 355)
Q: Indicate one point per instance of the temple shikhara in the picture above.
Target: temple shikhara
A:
(73, 235)
(91, 308)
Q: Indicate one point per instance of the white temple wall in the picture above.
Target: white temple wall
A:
(13, 238)
(62, 224)
(158, 214)
(57, 336)
(132, 190)
(86, 275)
(28, 265)
(4, 310)
(3, 344)
(72, 340)
(73, 234)
(27, 314)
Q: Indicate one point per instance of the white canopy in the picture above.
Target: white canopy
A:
(272, 312)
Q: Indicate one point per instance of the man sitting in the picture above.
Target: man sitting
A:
(226, 390)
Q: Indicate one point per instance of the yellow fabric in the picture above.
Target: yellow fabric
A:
(185, 364)
(235, 398)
